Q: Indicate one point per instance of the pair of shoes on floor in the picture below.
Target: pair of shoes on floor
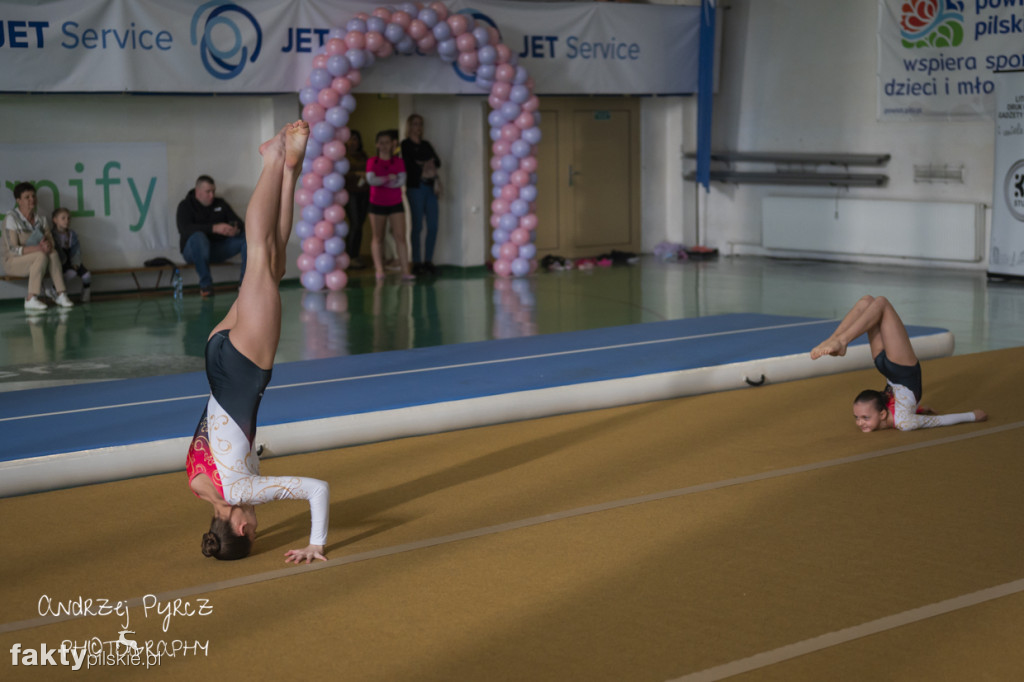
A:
(33, 305)
(206, 292)
(63, 301)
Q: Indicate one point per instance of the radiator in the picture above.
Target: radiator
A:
(952, 231)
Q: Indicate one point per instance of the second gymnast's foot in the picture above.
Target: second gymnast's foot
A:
(295, 136)
(833, 347)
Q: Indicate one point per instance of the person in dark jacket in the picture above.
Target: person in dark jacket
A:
(210, 231)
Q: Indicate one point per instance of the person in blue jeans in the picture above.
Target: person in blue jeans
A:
(422, 187)
(210, 231)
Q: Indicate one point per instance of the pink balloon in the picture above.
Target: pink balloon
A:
(417, 29)
(341, 85)
(465, 43)
(356, 40)
(427, 43)
(502, 90)
(510, 133)
(495, 163)
(341, 197)
(509, 251)
(401, 18)
(328, 98)
(354, 77)
(336, 302)
(501, 148)
(313, 113)
(334, 214)
(495, 220)
(323, 166)
(314, 246)
(336, 46)
(502, 268)
(320, 61)
(499, 206)
(505, 73)
(468, 60)
(531, 105)
(528, 221)
(374, 39)
(385, 50)
(523, 120)
(528, 164)
(323, 230)
(362, 15)
(312, 181)
(334, 150)
(458, 24)
(383, 13)
(494, 101)
(343, 134)
(306, 262)
(493, 37)
(519, 236)
(504, 54)
(303, 197)
(441, 9)
(510, 192)
(520, 178)
(342, 260)
(336, 280)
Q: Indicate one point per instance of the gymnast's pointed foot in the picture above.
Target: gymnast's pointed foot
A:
(295, 136)
(832, 346)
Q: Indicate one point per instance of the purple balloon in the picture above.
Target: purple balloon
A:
(323, 132)
(532, 135)
(324, 263)
(527, 251)
(428, 17)
(341, 166)
(357, 25)
(323, 197)
(529, 193)
(485, 71)
(496, 250)
(320, 79)
(337, 116)
(495, 119)
(520, 149)
(499, 178)
(406, 45)
(521, 76)
(442, 31)
(313, 149)
(495, 133)
(499, 236)
(357, 58)
(394, 33)
(496, 192)
(312, 214)
(409, 8)
(376, 24)
(510, 110)
(519, 207)
(483, 83)
(509, 162)
(348, 102)
(519, 94)
(307, 165)
(337, 65)
(333, 182)
(447, 47)
(481, 35)
(533, 179)
(333, 246)
(487, 54)
(338, 33)
(308, 95)
(520, 266)
(313, 280)
(508, 222)
(341, 229)
(303, 229)
(371, 59)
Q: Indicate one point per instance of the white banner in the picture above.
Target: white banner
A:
(116, 193)
(1007, 256)
(938, 57)
(267, 46)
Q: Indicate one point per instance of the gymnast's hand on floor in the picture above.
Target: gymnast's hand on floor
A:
(297, 556)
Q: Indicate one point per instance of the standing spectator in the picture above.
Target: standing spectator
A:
(70, 251)
(385, 174)
(358, 197)
(211, 231)
(28, 249)
(422, 187)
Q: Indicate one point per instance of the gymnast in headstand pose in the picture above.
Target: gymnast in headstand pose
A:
(897, 405)
(222, 467)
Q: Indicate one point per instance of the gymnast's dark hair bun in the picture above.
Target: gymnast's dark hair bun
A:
(211, 544)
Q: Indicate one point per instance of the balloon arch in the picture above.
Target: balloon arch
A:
(476, 48)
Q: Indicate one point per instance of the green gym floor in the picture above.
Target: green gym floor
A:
(121, 336)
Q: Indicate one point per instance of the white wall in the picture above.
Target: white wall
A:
(799, 76)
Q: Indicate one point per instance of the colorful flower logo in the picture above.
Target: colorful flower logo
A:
(932, 23)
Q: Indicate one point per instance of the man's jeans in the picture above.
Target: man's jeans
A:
(201, 251)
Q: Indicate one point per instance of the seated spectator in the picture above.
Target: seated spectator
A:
(70, 251)
(28, 249)
(210, 230)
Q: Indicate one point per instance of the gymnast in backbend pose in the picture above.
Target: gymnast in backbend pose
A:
(222, 467)
(897, 405)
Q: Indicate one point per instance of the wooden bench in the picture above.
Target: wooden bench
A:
(795, 168)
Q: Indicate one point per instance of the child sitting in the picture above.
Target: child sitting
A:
(70, 251)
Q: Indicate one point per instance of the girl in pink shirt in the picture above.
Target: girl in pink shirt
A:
(385, 173)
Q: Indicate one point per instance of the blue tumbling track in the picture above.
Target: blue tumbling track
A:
(85, 417)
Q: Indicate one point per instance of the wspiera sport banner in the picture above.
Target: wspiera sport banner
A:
(1007, 255)
(116, 194)
(938, 57)
(267, 46)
